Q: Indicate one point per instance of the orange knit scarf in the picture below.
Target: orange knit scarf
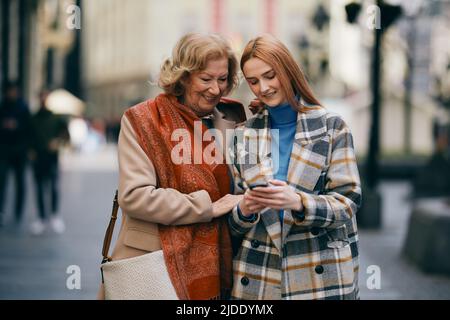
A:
(198, 256)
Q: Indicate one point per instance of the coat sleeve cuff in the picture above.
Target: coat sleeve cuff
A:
(251, 218)
(303, 217)
(240, 225)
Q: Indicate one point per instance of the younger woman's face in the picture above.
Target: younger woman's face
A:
(263, 82)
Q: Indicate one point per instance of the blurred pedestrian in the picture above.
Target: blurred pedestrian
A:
(14, 140)
(297, 219)
(49, 134)
(177, 208)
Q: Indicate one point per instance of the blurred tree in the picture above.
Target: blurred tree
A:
(352, 10)
(321, 17)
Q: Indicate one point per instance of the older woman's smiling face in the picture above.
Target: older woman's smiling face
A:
(205, 88)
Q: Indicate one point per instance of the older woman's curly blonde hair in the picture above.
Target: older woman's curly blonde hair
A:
(191, 54)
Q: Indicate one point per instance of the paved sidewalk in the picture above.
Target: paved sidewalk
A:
(35, 267)
(399, 278)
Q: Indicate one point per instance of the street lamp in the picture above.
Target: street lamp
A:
(370, 213)
(412, 9)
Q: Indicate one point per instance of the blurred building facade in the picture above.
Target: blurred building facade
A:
(125, 43)
(38, 48)
(16, 41)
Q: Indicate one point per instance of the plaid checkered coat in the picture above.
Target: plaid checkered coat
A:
(314, 253)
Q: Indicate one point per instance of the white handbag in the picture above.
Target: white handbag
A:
(140, 278)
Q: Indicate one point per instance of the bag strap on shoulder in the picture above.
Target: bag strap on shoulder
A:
(110, 230)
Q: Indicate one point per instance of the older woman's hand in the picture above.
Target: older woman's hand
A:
(225, 204)
(277, 196)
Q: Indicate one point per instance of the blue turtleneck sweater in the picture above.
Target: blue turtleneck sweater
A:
(283, 118)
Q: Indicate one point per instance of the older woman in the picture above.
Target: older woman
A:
(173, 199)
(297, 219)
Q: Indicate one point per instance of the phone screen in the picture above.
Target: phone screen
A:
(258, 184)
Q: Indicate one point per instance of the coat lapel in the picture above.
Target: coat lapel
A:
(294, 170)
(271, 220)
(288, 222)
(310, 126)
(225, 128)
(221, 123)
(254, 153)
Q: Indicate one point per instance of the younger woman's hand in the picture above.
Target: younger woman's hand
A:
(249, 206)
(277, 196)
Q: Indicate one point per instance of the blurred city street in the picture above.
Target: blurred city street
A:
(35, 267)
(69, 69)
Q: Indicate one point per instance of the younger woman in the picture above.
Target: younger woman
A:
(296, 223)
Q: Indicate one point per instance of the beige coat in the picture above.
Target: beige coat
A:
(144, 206)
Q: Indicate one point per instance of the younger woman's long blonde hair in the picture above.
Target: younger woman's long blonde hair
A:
(293, 81)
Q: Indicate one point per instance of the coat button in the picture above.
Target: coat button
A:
(245, 281)
(300, 215)
(319, 269)
(255, 244)
(315, 231)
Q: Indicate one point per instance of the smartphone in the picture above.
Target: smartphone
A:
(258, 184)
